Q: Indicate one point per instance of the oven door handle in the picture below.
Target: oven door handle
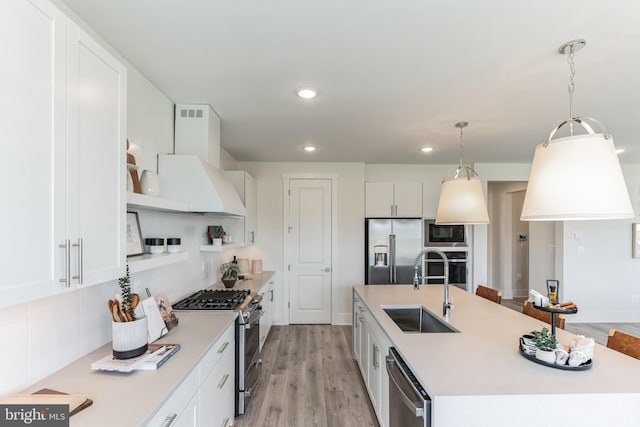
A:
(248, 325)
(415, 409)
(247, 390)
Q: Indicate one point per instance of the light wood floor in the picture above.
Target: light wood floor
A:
(309, 378)
(599, 331)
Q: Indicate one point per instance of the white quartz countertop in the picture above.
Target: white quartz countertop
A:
(130, 399)
(256, 284)
(483, 359)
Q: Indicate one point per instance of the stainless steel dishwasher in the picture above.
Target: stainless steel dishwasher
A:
(409, 403)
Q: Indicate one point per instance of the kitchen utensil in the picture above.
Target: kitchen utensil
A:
(135, 300)
(110, 305)
(116, 313)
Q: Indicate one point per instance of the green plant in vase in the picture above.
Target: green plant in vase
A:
(546, 344)
(544, 340)
(127, 300)
(229, 272)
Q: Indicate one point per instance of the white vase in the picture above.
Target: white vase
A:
(546, 356)
(149, 183)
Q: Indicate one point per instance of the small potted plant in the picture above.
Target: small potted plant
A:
(545, 345)
(229, 272)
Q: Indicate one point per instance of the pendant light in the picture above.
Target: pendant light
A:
(577, 177)
(461, 197)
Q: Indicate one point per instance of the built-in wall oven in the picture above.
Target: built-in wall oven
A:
(248, 361)
(409, 403)
(458, 269)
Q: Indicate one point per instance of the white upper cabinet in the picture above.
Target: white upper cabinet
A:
(245, 185)
(393, 199)
(96, 145)
(63, 164)
(32, 165)
(430, 197)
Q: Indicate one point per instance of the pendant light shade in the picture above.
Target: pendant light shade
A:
(577, 177)
(462, 202)
(462, 197)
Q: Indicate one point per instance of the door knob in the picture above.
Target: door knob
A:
(326, 269)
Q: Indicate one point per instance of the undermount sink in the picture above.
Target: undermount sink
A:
(417, 319)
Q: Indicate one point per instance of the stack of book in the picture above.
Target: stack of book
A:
(157, 354)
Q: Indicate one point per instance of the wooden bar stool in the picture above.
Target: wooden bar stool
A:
(624, 343)
(490, 294)
(542, 315)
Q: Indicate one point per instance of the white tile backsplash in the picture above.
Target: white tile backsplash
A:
(54, 332)
(14, 367)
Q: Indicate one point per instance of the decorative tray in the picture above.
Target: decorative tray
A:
(586, 365)
(556, 310)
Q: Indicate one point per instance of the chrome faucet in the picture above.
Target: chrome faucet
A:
(447, 305)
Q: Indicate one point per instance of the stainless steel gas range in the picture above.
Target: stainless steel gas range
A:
(248, 362)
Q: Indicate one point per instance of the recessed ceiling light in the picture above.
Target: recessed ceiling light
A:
(426, 149)
(307, 92)
(620, 150)
(309, 148)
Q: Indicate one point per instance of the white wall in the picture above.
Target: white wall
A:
(491, 172)
(520, 251)
(599, 273)
(503, 253)
(270, 235)
(542, 259)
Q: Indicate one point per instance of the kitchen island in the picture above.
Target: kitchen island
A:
(478, 378)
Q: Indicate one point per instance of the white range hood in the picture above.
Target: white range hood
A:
(191, 175)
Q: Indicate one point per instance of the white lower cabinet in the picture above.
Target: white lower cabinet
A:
(370, 346)
(206, 396)
(267, 308)
(217, 404)
(171, 412)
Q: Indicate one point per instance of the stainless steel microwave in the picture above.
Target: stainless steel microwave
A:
(444, 235)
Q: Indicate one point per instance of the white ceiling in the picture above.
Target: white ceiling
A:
(393, 76)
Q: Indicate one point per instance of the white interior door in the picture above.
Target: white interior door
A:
(309, 250)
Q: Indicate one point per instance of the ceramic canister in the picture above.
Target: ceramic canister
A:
(243, 265)
(256, 266)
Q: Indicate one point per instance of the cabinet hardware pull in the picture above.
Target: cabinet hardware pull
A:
(375, 357)
(223, 348)
(253, 239)
(223, 381)
(271, 299)
(80, 275)
(170, 419)
(67, 263)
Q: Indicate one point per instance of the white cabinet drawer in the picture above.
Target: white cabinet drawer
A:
(223, 346)
(177, 402)
(217, 394)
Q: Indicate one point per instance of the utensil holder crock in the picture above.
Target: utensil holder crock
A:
(129, 339)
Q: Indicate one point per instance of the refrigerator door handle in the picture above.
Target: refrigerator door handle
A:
(392, 258)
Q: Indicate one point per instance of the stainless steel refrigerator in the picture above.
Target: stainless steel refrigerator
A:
(391, 247)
